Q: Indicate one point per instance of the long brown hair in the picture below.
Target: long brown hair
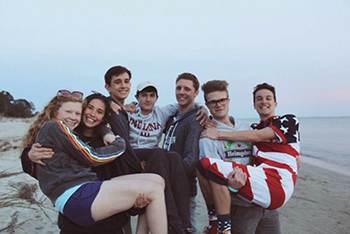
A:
(80, 129)
(49, 113)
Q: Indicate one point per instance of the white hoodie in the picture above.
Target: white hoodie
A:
(146, 130)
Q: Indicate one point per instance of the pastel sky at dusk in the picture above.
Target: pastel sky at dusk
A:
(301, 47)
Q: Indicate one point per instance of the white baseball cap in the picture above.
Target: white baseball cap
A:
(145, 84)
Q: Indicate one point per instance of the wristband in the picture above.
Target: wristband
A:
(218, 135)
(232, 189)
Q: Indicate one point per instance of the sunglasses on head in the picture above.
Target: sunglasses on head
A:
(66, 93)
(96, 92)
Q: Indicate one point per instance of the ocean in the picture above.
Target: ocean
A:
(324, 142)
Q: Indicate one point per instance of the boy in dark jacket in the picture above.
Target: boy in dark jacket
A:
(183, 131)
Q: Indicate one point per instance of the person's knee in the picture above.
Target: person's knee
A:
(173, 156)
(157, 154)
(157, 179)
(155, 190)
(161, 182)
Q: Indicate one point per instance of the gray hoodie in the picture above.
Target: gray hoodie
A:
(146, 130)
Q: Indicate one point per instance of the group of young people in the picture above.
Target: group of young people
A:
(97, 176)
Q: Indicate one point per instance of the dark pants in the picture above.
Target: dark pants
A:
(254, 220)
(119, 231)
(169, 165)
(111, 225)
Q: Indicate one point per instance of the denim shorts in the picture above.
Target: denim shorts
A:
(78, 206)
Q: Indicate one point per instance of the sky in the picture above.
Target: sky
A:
(302, 47)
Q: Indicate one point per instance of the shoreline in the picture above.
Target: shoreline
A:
(325, 165)
(320, 202)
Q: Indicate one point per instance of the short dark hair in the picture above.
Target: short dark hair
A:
(264, 86)
(214, 85)
(189, 76)
(147, 89)
(115, 71)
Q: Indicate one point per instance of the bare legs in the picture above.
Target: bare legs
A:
(205, 188)
(142, 226)
(120, 193)
(219, 195)
(214, 193)
(222, 198)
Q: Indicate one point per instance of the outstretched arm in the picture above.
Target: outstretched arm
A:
(62, 136)
(32, 156)
(247, 136)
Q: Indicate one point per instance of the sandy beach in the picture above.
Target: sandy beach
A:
(320, 203)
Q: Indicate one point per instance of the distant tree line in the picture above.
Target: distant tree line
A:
(19, 108)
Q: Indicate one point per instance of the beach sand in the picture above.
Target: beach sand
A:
(320, 203)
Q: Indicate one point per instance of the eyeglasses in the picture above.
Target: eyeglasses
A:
(214, 103)
(66, 93)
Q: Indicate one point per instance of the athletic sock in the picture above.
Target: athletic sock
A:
(224, 223)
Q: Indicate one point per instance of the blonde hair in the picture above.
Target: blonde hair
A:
(49, 113)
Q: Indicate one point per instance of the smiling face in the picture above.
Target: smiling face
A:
(146, 101)
(265, 104)
(70, 114)
(185, 94)
(94, 113)
(219, 111)
(119, 88)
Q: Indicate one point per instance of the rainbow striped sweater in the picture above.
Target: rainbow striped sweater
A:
(71, 162)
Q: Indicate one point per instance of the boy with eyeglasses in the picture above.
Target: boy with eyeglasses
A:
(245, 217)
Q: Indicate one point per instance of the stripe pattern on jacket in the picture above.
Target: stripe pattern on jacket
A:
(271, 182)
(88, 152)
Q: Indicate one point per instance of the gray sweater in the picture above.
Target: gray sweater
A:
(240, 152)
(72, 159)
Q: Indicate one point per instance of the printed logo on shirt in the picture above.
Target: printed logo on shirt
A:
(168, 142)
(238, 153)
(145, 128)
(236, 144)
